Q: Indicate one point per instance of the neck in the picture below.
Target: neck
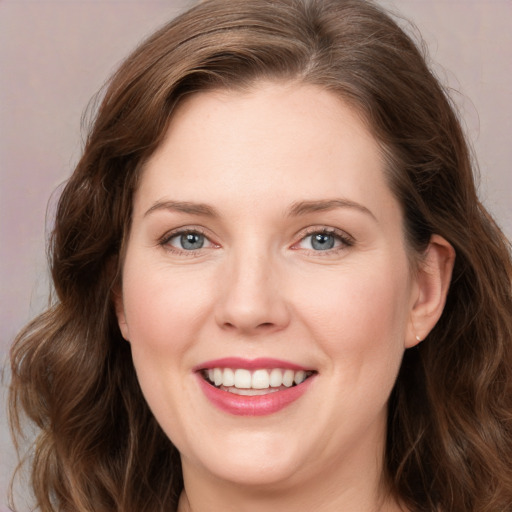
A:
(259, 503)
(361, 489)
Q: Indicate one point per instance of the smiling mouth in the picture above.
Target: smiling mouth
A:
(241, 381)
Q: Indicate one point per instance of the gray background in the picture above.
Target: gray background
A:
(54, 55)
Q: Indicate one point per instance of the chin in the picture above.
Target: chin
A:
(261, 460)
(270, 474)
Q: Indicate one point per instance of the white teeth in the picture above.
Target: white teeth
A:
(228, 377)
(288, 377)
(276, 378)
(217, 376)
(261, 379)
(300, 376)
(242, 379)
(251, 392)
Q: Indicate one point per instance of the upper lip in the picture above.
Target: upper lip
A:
(250, 364)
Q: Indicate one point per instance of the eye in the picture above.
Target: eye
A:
(324, 240)
(187, 241)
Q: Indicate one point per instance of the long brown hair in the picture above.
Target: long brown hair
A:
(99, 448)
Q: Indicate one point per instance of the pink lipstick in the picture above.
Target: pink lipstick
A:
(253, 387)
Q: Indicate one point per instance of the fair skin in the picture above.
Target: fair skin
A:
(263, 227)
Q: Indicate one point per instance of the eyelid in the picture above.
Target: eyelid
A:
(164, 240)
(346, 239)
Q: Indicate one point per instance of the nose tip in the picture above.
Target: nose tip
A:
(253, 313)
(252, 301)
(249, 326)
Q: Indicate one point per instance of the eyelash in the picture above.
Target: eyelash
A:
(343, 238)
(164, 241)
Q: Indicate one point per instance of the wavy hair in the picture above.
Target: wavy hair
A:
(449, 441)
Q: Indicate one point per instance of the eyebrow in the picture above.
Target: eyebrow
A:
(295, 210)
(305, 207)
(184, 207)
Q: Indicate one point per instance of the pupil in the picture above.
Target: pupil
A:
(322, 242)
(192, 241)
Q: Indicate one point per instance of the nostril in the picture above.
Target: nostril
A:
(253, 316)
(264, 326)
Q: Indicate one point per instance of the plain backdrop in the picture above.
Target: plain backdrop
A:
(54, 55)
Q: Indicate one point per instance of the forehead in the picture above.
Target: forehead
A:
(276, 140)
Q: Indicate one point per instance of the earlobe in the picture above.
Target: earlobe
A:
(433, 278)
(117, 297)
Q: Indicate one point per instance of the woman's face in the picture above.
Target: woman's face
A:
(267, 248)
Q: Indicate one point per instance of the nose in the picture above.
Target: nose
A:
(251, 298)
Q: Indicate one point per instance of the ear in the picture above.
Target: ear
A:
(432, 281)
(117, 297)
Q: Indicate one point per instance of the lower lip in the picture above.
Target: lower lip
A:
(258, 405)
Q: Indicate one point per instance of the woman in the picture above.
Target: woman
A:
(276, 287)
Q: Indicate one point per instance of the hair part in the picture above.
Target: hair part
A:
(449, 442)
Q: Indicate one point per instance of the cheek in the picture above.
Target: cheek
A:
(162, 311)
(359, 316)
(162, 307)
